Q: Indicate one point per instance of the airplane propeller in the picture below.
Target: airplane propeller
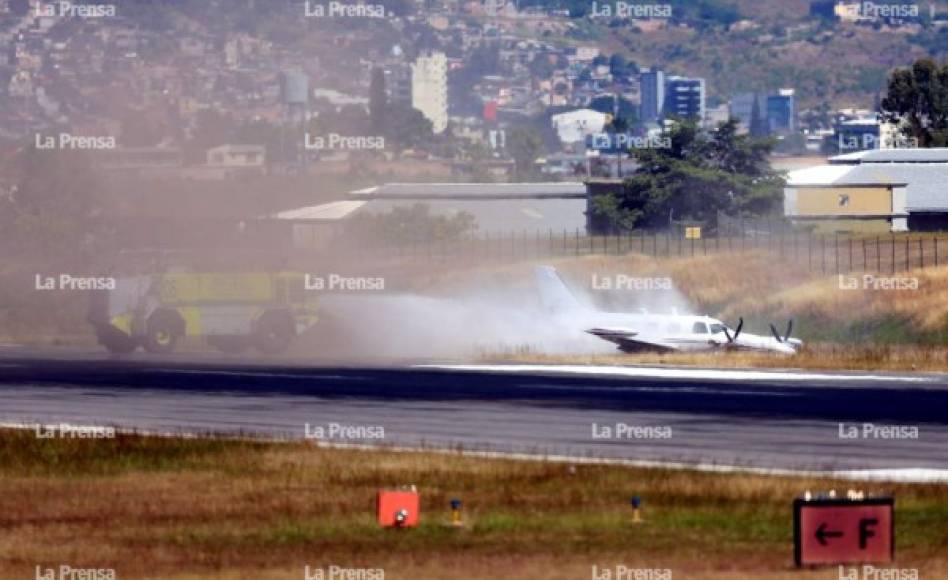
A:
(737, 331)
(786, 336)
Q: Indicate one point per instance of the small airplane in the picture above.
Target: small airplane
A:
(646, 332)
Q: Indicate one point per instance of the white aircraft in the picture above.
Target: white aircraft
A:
(655, 332)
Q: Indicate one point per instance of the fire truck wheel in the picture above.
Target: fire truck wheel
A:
(115, 341)
(163, 330)
(275, 331)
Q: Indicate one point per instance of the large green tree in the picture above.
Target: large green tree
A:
(917, 101)
(525, 145)
(698, 174)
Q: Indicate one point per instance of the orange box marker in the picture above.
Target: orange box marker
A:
(398, 508)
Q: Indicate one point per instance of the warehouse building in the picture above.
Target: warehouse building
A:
(498, 209)
(881, 190)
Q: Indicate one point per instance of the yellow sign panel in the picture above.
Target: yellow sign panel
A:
(843, 201)
(693, 233)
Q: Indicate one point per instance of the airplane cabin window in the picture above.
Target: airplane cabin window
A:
(700, 328)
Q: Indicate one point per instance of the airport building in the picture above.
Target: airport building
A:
(880, 190)
(498, 209)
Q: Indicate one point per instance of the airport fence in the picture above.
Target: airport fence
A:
(820, 253)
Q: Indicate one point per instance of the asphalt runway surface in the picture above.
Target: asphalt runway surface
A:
(812, 421)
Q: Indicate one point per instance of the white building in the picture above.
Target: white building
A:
(429, 89)
(575, 126)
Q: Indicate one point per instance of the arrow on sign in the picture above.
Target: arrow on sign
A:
(822, 533)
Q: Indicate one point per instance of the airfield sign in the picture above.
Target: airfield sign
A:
(828, 531)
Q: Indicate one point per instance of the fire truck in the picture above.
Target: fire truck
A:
(231, 312)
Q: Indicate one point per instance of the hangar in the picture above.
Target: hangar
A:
(497, 208)
(875, 191)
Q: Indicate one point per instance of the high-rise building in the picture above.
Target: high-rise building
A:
(777, 111)
(652, 90)
(742, 107)
(685, 98)
(398, 84)
(429, 88)
(781, 112)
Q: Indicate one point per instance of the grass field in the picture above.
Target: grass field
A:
(830, 357)
(207, 508)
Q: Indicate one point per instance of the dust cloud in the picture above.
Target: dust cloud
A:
(486, 318)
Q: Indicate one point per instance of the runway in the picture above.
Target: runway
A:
(811, 421)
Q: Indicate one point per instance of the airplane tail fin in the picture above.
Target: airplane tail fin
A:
(555, 297)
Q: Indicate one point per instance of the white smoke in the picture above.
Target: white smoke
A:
(483, 319)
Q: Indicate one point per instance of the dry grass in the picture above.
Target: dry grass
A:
(816, 356)
(169, 508)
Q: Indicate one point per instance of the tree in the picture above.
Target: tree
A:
(57, 206)
(524, 145)
(917, 102)
(406, 127)
(698, 175)
(607, 104)
(377, 99)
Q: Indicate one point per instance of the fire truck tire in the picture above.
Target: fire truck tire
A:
(275, 331)
(162, 332)
(115, 341)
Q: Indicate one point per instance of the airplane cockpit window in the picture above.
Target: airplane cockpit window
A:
(699, 328)
(717, 328)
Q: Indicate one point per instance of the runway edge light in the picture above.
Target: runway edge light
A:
(456, 519)
(636, 503)
(830, 530)
(398, 508)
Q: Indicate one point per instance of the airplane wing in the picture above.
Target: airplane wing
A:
(628, 340)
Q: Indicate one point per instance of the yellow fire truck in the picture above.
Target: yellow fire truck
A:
(231, 312)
